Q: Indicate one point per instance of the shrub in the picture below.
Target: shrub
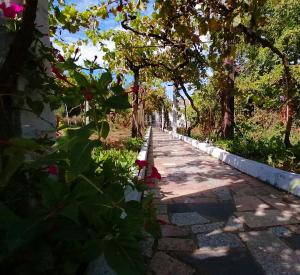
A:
(133, 144)
(63, 206)
(115, 166)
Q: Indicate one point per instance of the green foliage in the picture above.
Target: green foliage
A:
(115, 166)
(267, 148)
(133, 144)
(68, 219)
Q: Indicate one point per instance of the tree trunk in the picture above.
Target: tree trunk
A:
(135, 130)
(289, 123)
(185, 116)
(290, 91)
(227, 86)
(227, 104)
(197, 121)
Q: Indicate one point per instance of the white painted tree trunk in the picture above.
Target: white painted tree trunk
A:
(162, 118)
(33, 126)
(174, 112)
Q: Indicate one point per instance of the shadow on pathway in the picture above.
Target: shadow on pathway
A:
(217, 219)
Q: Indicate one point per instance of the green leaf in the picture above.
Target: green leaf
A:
(104, 128)
(35, 105)
(52, 192)
(80, 157)
(118, 101)
(15, 161)
(71, 211)
(123, 255)
(25, 143)
(104, 81)
(80, 79)
(236, 20)
(92, 249)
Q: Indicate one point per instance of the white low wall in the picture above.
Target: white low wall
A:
(282, 179)
(130, 193)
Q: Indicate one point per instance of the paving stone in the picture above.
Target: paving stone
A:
(248, 203)
(280, 231)
(218, 240)
(222, 262)
(163, 264)
(234, 224)
(202, 228)
(173, 231)
(294, 228)
(174, 244)
(274, 201)
(223, 194)
(161, 209)
(271, 253)
(188, 218)
(219, 211)
(294, 242)
(156, 193)
(251, 191)
(266, 218)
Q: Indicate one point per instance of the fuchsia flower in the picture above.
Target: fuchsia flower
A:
(141, 163)
(12, 10)
(60, 58)
(59, 75)
(52, 170)
(135, 89)
(4, 142)
(162, 222)
(88, 96)
(150, 184)
(155, 174)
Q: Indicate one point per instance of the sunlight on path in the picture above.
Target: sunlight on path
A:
(218, 220)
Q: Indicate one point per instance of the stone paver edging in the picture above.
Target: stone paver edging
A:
(276, 177)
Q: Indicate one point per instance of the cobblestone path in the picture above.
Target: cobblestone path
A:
(217, 219)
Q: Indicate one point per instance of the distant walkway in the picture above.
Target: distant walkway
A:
(219, 220)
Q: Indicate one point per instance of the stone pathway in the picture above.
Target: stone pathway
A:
(217, 219)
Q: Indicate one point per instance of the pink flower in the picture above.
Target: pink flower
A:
(135, 89)
(52, 170)
(88, 95)
(141, 163)
(155, 174)
(150, 184)
(12, 10)
(57, 134)
(162, 222)
(58, 74)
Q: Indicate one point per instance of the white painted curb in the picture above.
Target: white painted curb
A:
(130, 193)
(284, 180)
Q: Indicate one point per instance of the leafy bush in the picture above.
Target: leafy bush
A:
(133, 144)
(115, 166)
(271, 151)
(63, 206)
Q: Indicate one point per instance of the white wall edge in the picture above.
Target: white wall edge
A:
(281, 179)
(130, 193)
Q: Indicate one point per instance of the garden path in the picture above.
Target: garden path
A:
(217, 220)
